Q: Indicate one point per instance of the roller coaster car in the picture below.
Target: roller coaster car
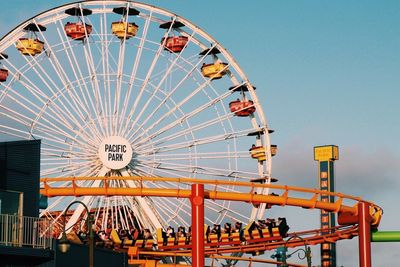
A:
(29, 46)
(124, 29)
(115, 238)
(214, 235)
(163, 239)
(242, 108)
(76, 31)
(254, 233)
(215, 70)
(174, 44)
(3, 75)
(283, 227)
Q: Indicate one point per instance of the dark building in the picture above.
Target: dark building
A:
(20, 172)
(22, 243)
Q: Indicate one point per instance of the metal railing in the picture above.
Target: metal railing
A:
(22, 231)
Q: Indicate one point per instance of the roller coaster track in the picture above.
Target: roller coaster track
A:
(250, 197)
(343, 203)
(312, 237)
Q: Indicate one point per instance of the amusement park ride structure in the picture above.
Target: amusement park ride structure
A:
(363, 213)
(119, 111)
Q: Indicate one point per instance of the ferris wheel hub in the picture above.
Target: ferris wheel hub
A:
(115, 152)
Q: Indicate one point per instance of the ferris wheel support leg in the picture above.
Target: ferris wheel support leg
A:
(197, 200)
(364, 234)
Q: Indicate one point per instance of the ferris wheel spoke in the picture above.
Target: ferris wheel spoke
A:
(63, 149)
(198, 156)
(198, 169)
(171, 93)
(84, 171)
(46, 79)
(160, 83)
(28, 123)
(148, 75)
(64, 168)
(49, 134)
(74, 63)
(165, 207)
(36, 92)
(51, 116)
(184, 118)
(121, 61)
(14, 132)
(55, 63)
(145, 150)
(146, 205)
(84, 91)
(105, 43)
(162, 207)
(135, 68)
(52, 157)
(78, 211)
(172, 185)
(92, 70)
(198, 127)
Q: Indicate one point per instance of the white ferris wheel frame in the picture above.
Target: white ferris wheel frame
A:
(53, 16)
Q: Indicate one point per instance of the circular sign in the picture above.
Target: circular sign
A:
(115, 152)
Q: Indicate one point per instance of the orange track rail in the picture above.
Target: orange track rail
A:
(284, 199)
(312, 237)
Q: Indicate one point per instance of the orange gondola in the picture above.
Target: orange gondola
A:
(77, 31)
(242, 108)
(3, 75)
(3, 72)
(174, 44)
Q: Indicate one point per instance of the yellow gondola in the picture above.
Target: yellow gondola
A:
(214, 70)
(124, 29)
(258, 152)
(30, 46)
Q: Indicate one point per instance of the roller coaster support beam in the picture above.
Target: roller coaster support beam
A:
(385, 236)
(364, 234)
(197, 200)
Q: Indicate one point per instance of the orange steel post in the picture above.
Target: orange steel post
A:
(364, 234)
(197, 200)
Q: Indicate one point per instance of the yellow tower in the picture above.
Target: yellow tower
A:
(326, 155)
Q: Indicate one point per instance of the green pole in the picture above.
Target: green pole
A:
(385, 236)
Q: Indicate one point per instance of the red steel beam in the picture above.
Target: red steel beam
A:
(197, 200)
(364, 234)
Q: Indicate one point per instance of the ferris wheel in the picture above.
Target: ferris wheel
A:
(119, 88)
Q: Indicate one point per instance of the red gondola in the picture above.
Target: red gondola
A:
(175, 44)
(242, 108)
(76, 30)
(3, 75)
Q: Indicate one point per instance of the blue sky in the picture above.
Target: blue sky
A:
(327, 72)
